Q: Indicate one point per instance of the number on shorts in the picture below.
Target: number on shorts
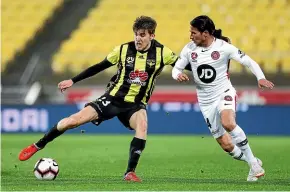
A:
(104, 102)
(208, 123)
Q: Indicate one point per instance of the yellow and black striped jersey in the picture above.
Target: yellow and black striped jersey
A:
(137, 71)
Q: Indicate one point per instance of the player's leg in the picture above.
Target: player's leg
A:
(85, 115)
(240, 138)
(226, 143)
(212, 118)
(238, 135)
(227, 109)
(137, 120)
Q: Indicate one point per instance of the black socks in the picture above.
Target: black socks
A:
(51, 135)
(136, 148)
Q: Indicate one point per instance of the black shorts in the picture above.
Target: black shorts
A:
(107, 108)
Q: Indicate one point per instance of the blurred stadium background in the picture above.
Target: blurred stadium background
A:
(46, 41)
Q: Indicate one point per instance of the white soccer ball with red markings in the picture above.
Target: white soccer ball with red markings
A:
(46, 169)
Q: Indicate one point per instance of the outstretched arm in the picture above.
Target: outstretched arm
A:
(63, 85)
(93, 70)
(110, 60)
(244, 59)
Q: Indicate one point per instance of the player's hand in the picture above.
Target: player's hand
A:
(65, 85)
(182, 77)
(264, 83)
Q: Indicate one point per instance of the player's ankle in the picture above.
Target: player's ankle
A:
(39, 147)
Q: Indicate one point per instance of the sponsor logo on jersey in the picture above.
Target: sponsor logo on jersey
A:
(138, 77)
(215, 55)
(206, 73)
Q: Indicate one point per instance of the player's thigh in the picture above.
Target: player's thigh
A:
(132, 115)
(212, 119)
(104, 108)
(227, 109)
(139, 120)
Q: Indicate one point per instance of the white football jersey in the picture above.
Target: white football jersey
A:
(210, 67)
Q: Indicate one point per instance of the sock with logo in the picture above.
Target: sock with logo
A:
(136, 148)
(239, 137)
(237, 154)
(51, 135)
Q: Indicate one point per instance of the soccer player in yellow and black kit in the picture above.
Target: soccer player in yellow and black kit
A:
(139, 64)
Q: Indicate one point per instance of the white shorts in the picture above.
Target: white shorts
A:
(211, 112)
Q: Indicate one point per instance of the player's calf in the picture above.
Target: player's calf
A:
(138, 122)
(225, 143)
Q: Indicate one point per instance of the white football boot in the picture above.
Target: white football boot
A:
(256, 171)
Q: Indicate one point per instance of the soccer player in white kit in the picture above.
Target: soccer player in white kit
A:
(209, 56)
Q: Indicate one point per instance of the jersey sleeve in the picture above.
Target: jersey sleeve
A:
(114, 56)
(241, 57)
(169, 57)
(181, 63)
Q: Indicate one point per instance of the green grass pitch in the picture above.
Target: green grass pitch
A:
(97, 162)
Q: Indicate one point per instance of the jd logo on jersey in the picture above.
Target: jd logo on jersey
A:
(206, 73)
(138, 77)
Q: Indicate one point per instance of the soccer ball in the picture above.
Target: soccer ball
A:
(46, 169)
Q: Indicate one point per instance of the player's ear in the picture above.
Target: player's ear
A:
(206, 33)
(152, 36)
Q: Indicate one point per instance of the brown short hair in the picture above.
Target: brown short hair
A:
(145, 22)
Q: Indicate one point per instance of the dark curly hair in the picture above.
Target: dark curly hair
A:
(145, 22)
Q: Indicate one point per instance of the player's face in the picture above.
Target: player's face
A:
(143, 39)
(196, 36)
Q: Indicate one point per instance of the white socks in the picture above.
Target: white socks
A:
(237, 154)
(239, 137)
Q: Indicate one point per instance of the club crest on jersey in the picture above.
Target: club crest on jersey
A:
(228, 98)
(150, 62)
(194, 56)
(138, 77)
(215, 55)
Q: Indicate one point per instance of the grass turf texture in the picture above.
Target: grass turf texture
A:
(97, 162)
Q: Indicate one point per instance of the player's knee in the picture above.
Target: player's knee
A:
(72, 122)
(142, 127)
(229, 125)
